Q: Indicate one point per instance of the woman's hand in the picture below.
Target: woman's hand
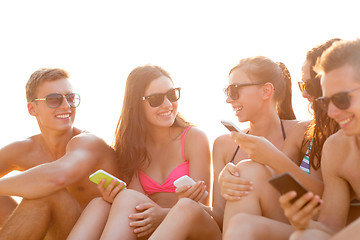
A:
(111, 191)
(258, 148)
(147, 219)
(302, 210)
(195, 192)
(232, 186)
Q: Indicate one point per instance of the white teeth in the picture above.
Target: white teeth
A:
(345, 121)
(63, 116)
(165, 114)
(238, 108)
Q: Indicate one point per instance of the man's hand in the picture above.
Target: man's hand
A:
(301, 211)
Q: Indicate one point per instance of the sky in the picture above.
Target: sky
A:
(197, 42)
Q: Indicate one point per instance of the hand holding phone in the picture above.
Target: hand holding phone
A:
(186, 180)
(285, 183)
(97, 176)
(230, 126)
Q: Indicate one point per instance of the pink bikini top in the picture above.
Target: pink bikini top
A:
(150, 186)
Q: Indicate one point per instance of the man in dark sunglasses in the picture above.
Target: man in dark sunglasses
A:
(339, 68)
(56, 164)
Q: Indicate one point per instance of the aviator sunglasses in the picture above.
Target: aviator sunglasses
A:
(157, 99)
(54, 100)
(232, 90)
(341, 100)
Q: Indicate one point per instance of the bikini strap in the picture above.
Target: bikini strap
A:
(183, 142)
(237, 149)
(282, 129)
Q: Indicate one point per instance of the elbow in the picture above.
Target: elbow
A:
(62, 177)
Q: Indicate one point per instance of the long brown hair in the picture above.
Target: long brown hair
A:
(261, 69)
(321, 126)
(130, 135)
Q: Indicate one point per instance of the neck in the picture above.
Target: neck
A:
(56, 142)
(265, 125)
(159, 135)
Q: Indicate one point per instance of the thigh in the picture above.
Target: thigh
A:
(118, 224)
(7, 206)
(92, 221)
(247, 226)
(65, 211)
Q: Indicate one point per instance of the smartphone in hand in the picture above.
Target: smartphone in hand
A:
(97, 176)
(230, 126)
(286, 182)
(186, 180)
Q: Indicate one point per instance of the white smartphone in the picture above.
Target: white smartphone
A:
(230, 126)
(186, 180)
(97, 176)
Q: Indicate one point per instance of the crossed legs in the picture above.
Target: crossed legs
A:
(51, 217)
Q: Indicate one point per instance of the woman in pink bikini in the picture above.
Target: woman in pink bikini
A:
(155, 146)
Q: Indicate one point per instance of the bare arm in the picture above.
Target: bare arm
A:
(197, 152)
(81, 156)
(263, 151)
(336, 192)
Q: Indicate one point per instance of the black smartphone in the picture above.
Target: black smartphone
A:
(286, 182)
(230, 126)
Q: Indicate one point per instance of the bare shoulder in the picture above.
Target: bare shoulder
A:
(223, 140)
(195, 134)
(16, 153)
(336, 140)
(298, 129)
(292, 124)
(223, 148)
(335, 148)
(88, 141)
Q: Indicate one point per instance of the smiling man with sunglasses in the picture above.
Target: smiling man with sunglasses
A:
(56, 163)
(339, 68)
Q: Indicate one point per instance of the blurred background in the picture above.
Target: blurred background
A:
(198, 42)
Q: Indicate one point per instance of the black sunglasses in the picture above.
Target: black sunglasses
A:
(341, 100)
(232, 90)
(157, 99)
(308, 86)
(54, 100)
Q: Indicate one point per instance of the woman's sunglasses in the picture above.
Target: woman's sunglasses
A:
(340, 100)
(157, 99)
(232, 90)
(308, 86)
(54, 100)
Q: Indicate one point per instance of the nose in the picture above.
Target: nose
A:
(166, 102)
(229, 99)
(65, 103)
(332, 110)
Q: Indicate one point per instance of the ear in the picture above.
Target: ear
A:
(268, 90)
(31, 108)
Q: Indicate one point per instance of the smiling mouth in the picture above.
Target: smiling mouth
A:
(238, 109)
(165, 113)
(63, 116)
(345, 121)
